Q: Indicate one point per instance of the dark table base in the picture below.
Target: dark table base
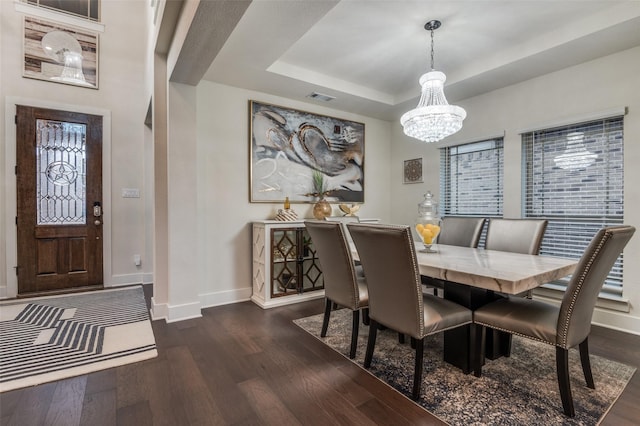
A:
(458, 343)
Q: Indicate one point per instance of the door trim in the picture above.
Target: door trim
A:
(11, 245)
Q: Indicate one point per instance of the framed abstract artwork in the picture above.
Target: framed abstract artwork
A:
(291, 150)
(412, 171)
(60, 53)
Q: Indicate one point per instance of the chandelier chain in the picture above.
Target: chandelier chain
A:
(432, 62)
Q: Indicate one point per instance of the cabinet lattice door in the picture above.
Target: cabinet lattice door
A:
(286, 268)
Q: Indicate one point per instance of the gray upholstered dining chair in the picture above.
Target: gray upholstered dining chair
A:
(396, 300)
(456, 231)
(342, 285)
(461, 231)
(515, 235)
(344, 220)
(563, 326)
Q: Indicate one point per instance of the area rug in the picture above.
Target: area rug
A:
(518, 390)
(52, 338)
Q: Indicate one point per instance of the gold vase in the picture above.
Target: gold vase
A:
(321, 209)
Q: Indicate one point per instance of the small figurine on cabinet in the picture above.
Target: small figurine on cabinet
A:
(350, 210)
(286, 214)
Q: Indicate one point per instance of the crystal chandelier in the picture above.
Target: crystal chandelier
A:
(433, 119)
(575, 155)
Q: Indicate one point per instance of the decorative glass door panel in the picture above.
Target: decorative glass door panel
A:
(311, 272)
(61, 173)
(285, 266)
(294, 266)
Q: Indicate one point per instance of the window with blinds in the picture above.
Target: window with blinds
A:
(471, 179)
(573, 177)
(89, 9)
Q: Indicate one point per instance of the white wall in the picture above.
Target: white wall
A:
(123, 93)
(592, 87)
(183, 213)
(224, 212)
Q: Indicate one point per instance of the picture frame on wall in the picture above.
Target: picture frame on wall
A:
(412, 171)
(288, 147)
(60, 53)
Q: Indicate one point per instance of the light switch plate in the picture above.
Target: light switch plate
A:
(130, 193)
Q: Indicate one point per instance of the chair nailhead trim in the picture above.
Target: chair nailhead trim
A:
(518, 334)
(566, 320)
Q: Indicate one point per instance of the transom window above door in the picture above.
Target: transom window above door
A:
(88, 9)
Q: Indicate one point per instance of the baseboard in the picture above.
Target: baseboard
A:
(128, 279)
(226, 297)
(158, 311)
(115, 281)
(125, 279)
(184, 312)
(616, 321)
(174, 313)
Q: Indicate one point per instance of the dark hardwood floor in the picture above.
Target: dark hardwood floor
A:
(239, 364)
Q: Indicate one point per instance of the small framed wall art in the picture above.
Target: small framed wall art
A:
(60, 53)
(412, 171)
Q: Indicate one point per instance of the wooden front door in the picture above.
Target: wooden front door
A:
(59, 187)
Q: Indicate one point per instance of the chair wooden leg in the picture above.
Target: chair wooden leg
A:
(478, 349)
(325, 320)
(586, 363)
(354, 333)
(413, 342)
(371, 343)
(562, 370)
(417, 375)
(401, 338)
(365, 316)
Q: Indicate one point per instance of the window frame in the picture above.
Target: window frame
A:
(574, 229)
(491, 145)
(495, 145)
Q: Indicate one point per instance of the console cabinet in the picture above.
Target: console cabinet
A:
(285, 265)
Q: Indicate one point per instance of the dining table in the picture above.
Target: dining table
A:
(474, 277)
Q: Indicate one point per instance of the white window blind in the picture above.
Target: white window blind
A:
(471, 179)
(573, 177)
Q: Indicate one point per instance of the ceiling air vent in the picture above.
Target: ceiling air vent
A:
(321, 97)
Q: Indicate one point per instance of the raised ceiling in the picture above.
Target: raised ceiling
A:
(370, 54)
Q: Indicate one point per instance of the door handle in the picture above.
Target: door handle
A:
(97, 213)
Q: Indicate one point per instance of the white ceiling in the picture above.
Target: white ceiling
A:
(370, 54)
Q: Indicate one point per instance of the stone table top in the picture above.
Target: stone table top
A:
(506, 272)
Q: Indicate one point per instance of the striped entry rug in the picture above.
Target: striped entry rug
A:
(51, 338)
